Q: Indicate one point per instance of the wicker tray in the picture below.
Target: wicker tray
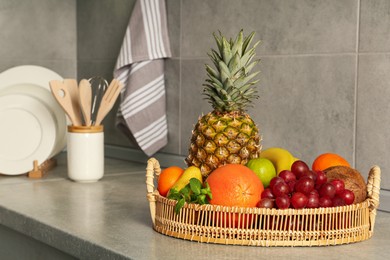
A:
(264, 227)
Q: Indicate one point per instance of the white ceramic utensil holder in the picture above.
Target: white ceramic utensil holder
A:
(85, 153)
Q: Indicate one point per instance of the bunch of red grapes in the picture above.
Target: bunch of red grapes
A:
(303, 188)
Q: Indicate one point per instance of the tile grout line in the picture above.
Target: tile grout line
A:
(319, 54)
(180, 79)
(287, 55)
(356, 84)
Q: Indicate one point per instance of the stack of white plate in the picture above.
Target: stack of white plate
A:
(32, 123)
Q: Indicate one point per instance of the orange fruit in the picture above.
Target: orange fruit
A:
(167, 178)
(326, 160)
(235, 185)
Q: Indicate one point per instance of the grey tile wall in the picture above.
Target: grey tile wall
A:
(308, 81)
(373, 92)
(307, 104)
(40, 32)
(323, 83)
(374, 26)
(308, 114)
(373, 110)
(173, 91)
(285, 27)
(101, 25)
(100, 30)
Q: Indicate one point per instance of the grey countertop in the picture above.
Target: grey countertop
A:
(110, 219)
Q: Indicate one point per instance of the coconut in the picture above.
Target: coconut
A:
(352, 178)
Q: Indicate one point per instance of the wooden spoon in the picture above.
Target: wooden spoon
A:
(86, 100)
(108, 101)
(61, 94)
(73, 89)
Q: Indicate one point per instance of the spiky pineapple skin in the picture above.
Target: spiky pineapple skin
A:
(227, 134)
(223, 138)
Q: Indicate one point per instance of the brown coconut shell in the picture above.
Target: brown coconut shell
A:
(352, 178)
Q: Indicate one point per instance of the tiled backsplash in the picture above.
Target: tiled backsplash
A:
(324, 73)
(325, 81)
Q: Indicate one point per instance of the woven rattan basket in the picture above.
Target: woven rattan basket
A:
(264, 227)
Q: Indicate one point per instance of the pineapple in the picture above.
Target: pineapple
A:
(227, 134)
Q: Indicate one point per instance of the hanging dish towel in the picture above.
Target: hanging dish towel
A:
(140, 68)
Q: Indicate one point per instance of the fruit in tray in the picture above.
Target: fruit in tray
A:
(188, 174)
(352, 179)
(168, 177)
(238, 185)
(234, 185)
(300, 187)
(281, 158)
(227, 135)
(326, 160)
(189, 188)
(263, 168)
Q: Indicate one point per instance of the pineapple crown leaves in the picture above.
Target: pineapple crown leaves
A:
(229, 87)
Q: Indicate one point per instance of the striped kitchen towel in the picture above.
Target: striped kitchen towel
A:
(140, 67)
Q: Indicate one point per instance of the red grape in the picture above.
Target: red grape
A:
(299, 200)
(314, 193)
(287, 175)
(325, 202)
(321, 178)
(280, 188)
(339, 185)
(267, 193)
(304, 185)
(328, 190)
(348, 196)
(337, 201)
(291, 184)
(313, 201)
(282, 202)
(266, 203)
(310, 174)
(299, 167)
(274, 181)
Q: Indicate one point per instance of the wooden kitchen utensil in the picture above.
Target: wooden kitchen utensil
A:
(73, 89)
(63, 97)
(86, 100)
(108, 101)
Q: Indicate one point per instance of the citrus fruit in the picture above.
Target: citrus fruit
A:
(263, 168)
(234, 185)
(327, 160)
(167, 178)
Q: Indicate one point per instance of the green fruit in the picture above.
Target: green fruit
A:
(263, 168)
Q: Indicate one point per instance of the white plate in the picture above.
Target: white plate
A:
(28, 74)
(37, 76)
(47, 99)
(27, 133)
